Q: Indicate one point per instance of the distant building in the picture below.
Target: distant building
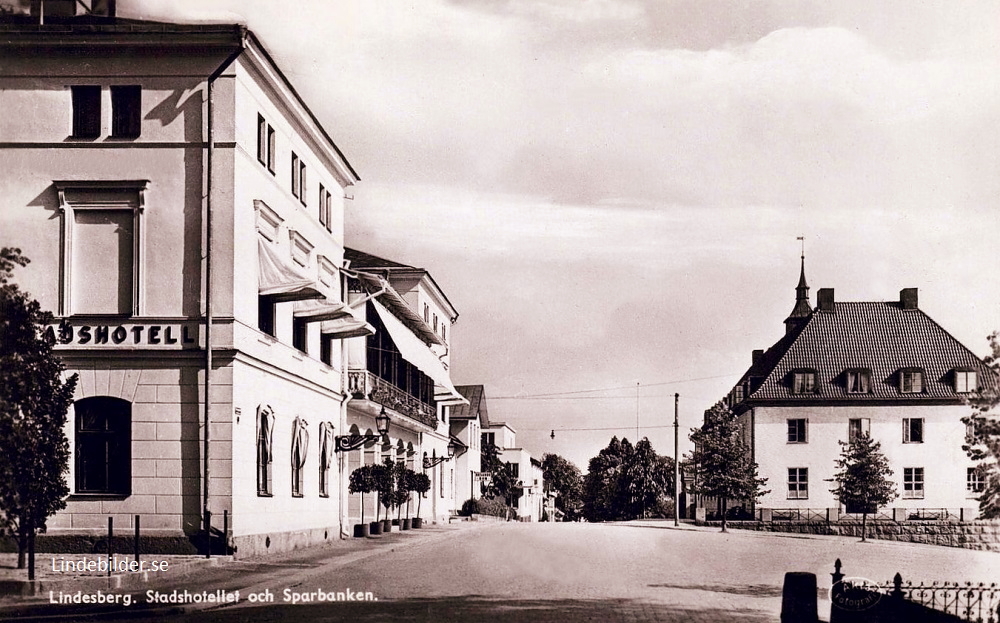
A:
(844, 368)
(467, 423)
(403, 369)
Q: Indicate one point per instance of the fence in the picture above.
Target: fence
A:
(896, 600)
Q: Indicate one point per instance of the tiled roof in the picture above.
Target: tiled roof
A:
(476, 395)
(881, 337)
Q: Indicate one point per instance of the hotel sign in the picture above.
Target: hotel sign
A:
(157, 335)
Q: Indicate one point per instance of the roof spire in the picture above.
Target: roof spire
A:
(802, 307)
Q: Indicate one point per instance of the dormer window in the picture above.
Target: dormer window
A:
(737, 394)
(965, 381)
(804, 382)
(911, 381)
(859, 381)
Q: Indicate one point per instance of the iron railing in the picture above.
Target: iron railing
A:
(362, 384)
(968, 601)
(799, 514)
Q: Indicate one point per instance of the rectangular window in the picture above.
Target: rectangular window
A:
(859, 382)
(103, 261)
(444, 332)
(913, 483)
(911, 381)
(804, 382)
(427, 313)
(797, 430)
(265, 315)
(913, 430)
(974, 481)
(322, 206)
(86, 111)
(857, 427)
(487, 439)
(126, 111)
(798, 483)
(265, 143)
(515, 470)
(300, 334)
(328, 208)
(302, 183)
(295, 175)
(965, 381)
(326, 349)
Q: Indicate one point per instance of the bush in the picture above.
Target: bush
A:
(469, 507)
(493, 506)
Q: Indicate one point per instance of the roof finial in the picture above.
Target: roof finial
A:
(802, 239)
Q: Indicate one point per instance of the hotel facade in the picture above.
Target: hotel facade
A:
(183, 210)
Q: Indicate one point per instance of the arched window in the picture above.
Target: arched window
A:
(300, 448)
(103, 445)
(325, 457)
(265, 438)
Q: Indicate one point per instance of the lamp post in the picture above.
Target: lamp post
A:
(677, 465)
(346, 443)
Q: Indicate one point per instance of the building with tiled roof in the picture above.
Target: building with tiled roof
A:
(843, 368)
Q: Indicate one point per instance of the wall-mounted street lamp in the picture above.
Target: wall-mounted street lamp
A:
(429, 462)
(346, 443)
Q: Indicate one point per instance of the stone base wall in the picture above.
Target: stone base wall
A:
(253, 545)
(981, 535)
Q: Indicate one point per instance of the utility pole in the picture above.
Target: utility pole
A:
(677, 466)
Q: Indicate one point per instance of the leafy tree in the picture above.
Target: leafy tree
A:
(864, 477)
(564, 478)
(626, 482)
(602, 497)
(362, 481)
(723, 467)
(383, 475)
(420, 484)
(500, 482)
(34, 400)
(982, 438)
(649, 478)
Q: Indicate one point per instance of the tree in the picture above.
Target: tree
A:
(421, 484)
(384, 480)
(34, 400)
(723, 467)
(626, 482)
(982, 434)
(564, 479)
(500, 482)
(362, 481)
(863, 481)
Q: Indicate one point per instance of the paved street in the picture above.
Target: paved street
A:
(571, 572)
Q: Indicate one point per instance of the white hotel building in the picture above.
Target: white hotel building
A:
(183, 210)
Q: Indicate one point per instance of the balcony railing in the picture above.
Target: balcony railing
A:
(362, 384)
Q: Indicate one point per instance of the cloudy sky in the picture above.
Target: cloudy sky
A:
(610, 191)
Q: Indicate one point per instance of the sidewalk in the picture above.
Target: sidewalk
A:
(193, 574)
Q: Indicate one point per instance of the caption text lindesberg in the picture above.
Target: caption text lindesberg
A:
(180, 597)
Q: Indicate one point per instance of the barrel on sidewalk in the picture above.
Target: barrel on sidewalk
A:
(798, 598)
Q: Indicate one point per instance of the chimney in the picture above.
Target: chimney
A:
(824, 299)
(908, 298)
(757, 354)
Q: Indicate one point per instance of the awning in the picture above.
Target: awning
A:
(394, 301)
(277, 278)
(345, 327)
(415, 351)
(316, 310)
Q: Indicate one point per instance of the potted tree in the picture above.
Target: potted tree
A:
(405, 489)
(376, 527)
(420, 484)
(386, 487)
(361, 482)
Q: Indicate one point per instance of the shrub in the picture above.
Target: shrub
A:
(469, 507)
(493, 506)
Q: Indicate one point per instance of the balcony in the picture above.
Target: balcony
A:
(364, 385)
